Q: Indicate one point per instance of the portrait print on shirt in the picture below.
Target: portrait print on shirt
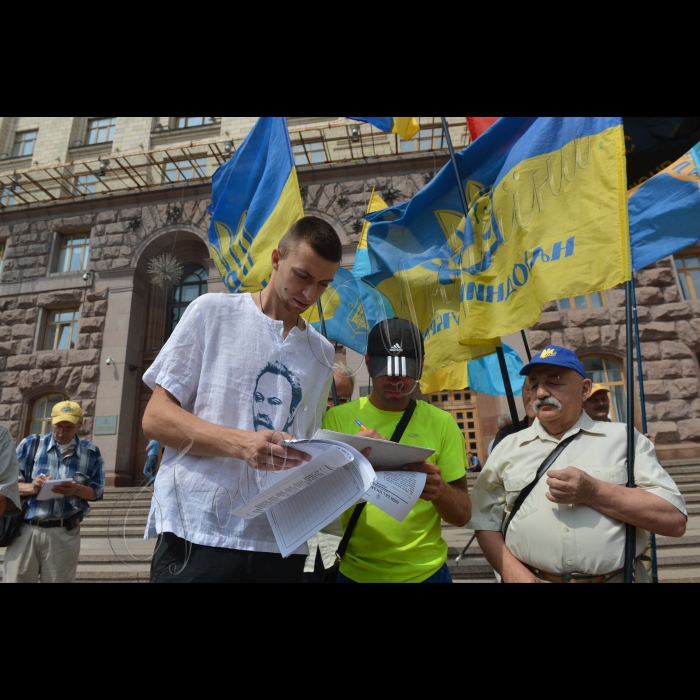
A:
(276, 399)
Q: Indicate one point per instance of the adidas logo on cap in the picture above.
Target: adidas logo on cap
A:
(396, 348)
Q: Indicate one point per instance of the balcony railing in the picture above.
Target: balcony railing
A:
(195, 162)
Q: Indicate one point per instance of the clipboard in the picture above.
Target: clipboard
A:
(385, 455)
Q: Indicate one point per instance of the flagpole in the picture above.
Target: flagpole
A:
(631, 531)
(645, 427)
(334, 389)
(465, 205)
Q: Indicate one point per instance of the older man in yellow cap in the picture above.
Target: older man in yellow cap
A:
(597, 406)
(48, 546)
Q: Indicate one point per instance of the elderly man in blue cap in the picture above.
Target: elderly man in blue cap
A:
(569, 527)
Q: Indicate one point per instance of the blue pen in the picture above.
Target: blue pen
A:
(361, 426)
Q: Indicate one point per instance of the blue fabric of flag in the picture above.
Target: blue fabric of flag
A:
(382, 123)
(351, 308)
(665, 211)
(485, 374)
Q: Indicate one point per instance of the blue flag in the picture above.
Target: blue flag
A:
(665, 211)
(485, 374)
(405, 127)
(351, 308)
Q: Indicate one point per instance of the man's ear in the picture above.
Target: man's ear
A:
(276, 258)
(367, 361)
(587, 386)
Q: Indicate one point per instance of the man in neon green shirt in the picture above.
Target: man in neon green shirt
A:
(382, 550)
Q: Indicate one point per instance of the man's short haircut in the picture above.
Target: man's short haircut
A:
(345, 371)
(320, 236)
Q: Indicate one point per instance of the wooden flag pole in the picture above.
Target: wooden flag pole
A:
(465, 206)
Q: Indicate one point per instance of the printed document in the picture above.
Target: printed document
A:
(396, 493)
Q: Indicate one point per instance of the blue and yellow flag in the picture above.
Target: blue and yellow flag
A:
(362, 266)
(256, 200)
(405, 127)
(351, 308)
(548, 219)
(665, 211)
(485, 374)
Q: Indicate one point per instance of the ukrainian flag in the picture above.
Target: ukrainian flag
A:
(548, 219)
(256, 200)
(405, 127)
(362, 266)
(665, 211)
(351, 308)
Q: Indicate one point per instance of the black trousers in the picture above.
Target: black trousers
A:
(171, 564)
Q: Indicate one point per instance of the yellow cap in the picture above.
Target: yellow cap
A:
(596, 388)
(67, 411)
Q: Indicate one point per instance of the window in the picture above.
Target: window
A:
(24, 144)
(457, 404)
(688, 267)
(41, 413)
(101, 130)
(86, 184)
(193, 286)
(309, 153)
(2, 255)
(189, 122)
(608, 373)
(185, 170)
(426, 140)
(7, 199)
(62, 330)
(590, 301)
(75, 253)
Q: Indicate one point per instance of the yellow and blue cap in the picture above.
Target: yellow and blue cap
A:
(555, 355)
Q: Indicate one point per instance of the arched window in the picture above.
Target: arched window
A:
(608, 373)
(193, 286)
(41, 413)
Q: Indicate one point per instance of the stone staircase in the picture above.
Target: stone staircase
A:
(679, 559)
(113, 549)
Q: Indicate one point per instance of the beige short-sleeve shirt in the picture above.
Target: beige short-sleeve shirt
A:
(565, 539)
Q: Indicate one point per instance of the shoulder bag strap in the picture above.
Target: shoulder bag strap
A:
(30, 467)
(359, 509)
(540, 473)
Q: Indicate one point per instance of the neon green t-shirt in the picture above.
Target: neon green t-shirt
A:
(381, 549)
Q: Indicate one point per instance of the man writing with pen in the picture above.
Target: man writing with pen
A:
(380, 549)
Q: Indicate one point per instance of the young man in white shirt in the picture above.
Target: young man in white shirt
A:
(240, 374)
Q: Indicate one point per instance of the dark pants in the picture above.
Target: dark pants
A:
(320, 573)
(217, 565)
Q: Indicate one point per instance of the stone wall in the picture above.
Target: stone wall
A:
(670, 337)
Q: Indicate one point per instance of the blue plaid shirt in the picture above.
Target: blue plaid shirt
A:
(86, 459)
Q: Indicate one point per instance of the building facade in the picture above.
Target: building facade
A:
(86, 203)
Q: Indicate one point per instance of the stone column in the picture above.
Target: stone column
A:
(118, 386)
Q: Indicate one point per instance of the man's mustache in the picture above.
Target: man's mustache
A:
(549, 401)
(262, 421)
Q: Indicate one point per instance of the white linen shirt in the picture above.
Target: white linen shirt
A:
(230, 365)
(566, 539)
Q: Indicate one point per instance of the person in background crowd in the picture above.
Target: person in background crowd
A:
(382, 550)
(151, 468)
(597, 406)
(524, 424)
(474, 463)
(503, 421)
(48, 546)
(571, 528)
(9, 475)
(320, 565)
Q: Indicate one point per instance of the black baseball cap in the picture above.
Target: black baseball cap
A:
(396, 349)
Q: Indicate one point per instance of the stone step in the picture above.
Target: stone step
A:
(672, 463)
(678, 471)
(98, 576)
(680, 575)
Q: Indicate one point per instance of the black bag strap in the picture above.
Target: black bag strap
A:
(359, 509)
(540, 473)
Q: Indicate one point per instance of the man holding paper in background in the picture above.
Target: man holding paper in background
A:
(48, 546)
(380, 549)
